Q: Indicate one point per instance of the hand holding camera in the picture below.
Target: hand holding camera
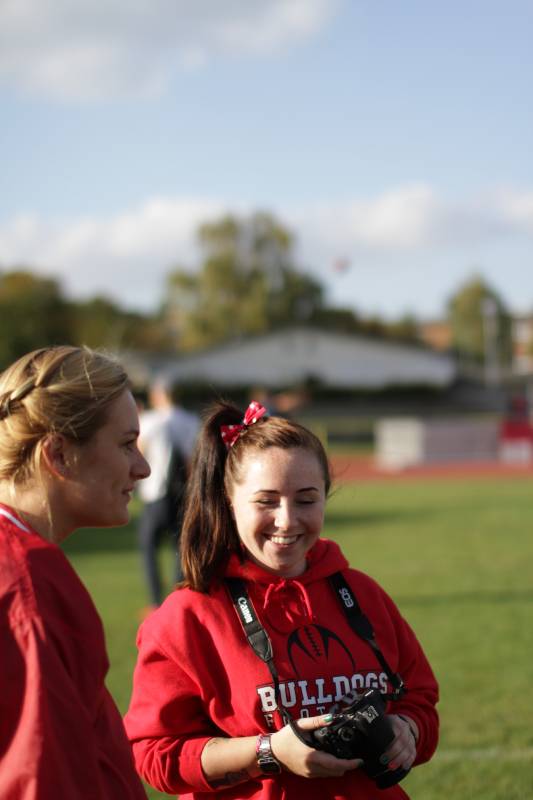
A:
(363, 730)
(294, 749)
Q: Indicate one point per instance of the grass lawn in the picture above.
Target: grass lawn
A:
(457, 557)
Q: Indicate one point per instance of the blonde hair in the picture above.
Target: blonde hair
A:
(59, 389)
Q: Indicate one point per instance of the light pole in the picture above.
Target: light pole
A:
(489, 316)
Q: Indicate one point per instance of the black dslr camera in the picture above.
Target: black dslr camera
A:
(361, 730)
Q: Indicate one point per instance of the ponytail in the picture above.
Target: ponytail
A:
(208, 533)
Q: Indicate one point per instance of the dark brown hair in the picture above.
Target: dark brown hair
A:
(209, 534)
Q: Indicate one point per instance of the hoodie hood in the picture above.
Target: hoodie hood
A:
(285, 602)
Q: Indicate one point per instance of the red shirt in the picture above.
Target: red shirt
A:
(61, 735)
(197, 677)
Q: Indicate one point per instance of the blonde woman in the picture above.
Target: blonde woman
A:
(68, 459)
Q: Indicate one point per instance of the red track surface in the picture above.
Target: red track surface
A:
(350, 468)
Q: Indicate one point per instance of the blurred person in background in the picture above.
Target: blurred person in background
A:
(167, 438)
(285, 403)
(68, 459)
(244, 661)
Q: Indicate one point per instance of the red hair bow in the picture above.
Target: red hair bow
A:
(230, 433)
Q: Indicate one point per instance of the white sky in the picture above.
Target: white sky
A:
(394, 135)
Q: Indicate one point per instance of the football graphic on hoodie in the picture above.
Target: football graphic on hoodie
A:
(312, 646)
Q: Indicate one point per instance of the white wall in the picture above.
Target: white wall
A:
(403, 442)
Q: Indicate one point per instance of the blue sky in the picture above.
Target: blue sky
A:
(394, 135)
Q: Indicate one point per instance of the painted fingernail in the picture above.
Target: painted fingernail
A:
(392, 765)
(384, 759)
(327, 718)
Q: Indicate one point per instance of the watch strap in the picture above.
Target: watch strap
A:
(266, 760)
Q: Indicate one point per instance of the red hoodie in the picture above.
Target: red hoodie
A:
(197, 676)
(61, 735)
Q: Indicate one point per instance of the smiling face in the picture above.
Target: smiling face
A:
(102, 472)
(278, 507)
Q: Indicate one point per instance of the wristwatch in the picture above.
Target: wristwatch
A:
(266, 761)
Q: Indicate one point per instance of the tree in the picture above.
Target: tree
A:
(405, 329)
(247, 284)
(33, 313)
(99, 322)
(480, 323)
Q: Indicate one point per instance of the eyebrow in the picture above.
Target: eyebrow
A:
(275, 491)
(133, 432)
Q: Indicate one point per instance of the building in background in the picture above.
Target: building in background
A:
(309, 356)
(437, 334)
(522, 333)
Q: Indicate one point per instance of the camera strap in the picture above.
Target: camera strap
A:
(258, 639)
(362, 626)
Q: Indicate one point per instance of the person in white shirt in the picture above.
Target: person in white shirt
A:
(168, 435)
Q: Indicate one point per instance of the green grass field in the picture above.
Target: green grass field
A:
(457, 557)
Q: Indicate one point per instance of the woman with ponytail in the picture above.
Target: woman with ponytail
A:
(242, 668)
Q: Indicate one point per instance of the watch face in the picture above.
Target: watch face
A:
(269, 766)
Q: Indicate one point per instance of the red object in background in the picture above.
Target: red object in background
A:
(511, 430)
(516, 425)
(516, 440)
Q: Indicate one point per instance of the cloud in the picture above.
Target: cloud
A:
(99, 49)
(515, 208)
(398, 218)
(414, 217)
(127, 256)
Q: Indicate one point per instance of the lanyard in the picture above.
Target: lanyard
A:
(257, 636)
(5, 513)
(362, 626)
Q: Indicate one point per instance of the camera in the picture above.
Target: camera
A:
(362, 730)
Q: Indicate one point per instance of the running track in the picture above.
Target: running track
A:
(349, 468)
